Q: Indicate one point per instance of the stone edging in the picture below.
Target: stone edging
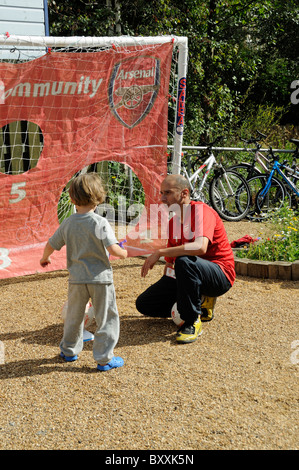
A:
(267, 269)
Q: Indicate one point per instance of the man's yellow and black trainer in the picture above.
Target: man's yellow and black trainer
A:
(207, 308)
(189, 334)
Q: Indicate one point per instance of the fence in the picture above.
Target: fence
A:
(233, 149)
(192, 148)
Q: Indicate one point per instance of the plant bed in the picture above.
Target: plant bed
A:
(267, 269)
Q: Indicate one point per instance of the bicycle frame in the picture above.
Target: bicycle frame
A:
(208, 163)
(260, 159)
(258, 156)
(292, 172)
(276, 168)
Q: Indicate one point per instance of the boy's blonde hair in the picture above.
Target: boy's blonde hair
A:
(87, 190)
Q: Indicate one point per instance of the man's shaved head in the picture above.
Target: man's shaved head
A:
(178, 181)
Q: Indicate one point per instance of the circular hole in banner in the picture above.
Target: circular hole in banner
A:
(124, 194)
(21, 143)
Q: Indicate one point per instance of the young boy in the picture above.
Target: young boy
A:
(88, 237)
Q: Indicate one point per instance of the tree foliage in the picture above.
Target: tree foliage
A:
(243, 54)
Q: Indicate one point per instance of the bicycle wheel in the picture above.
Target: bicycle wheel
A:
(230, 195)
(263, 207)
(245, 170)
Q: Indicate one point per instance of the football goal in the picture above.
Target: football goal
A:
(69, 105)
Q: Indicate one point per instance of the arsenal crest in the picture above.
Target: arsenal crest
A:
(133, 88)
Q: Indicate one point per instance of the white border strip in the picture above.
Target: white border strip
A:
(75, 41)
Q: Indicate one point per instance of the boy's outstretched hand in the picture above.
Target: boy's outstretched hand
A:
(117, 251)
(44, 262)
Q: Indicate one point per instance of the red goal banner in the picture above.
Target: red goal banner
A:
(90, 107)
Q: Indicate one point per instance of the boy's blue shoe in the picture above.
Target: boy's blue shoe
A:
(68, 358)
(113, 364)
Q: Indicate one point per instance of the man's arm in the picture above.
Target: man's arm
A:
(197, 248)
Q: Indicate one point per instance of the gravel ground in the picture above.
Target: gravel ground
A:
(234, 388)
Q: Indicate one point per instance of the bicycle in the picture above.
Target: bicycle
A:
(257, 180)
(248, 170)
(293, 171)
(272, 192)
(228, 191)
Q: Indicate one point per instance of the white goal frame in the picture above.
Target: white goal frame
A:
(45, 42)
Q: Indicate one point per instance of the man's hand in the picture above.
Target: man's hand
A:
(149, 263)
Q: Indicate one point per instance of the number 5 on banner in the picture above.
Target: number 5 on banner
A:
(15, 190)
(5, 261)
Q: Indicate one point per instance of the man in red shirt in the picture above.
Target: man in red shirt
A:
(199, 262)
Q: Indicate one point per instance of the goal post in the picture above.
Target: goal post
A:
(110, 104)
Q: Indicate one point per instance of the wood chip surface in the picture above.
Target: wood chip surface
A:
(236, 387)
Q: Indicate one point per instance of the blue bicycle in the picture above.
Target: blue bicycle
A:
(269, 190)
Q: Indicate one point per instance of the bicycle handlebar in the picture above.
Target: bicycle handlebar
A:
(211, 144)
(254, 140)
(285, 162)
(295, 141)
(262, 136)
(203, 157)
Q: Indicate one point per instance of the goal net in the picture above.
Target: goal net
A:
(109, 105)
